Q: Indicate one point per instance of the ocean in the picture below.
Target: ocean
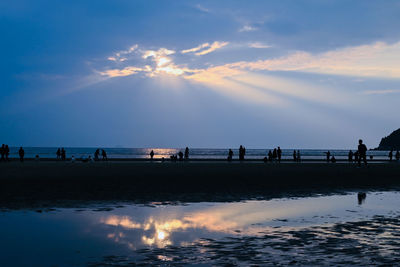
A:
(195, 153)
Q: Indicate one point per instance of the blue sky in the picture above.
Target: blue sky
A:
(304, 74)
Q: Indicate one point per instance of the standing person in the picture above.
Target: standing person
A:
(241, 155)
(104, 154)
(294, 155)
(362, 152)
(180, 154)
(230, 155)
(270, 155)
(151, 154)
(350, 156)
(298, 156)
(96, 154)
(397, 155)
(356, 156)
(21, 153)
(274, 154)
(63, 154)
(328, 156)
(7, 152)
(279, 152)
(186, 153)
(244, 152)
(391, 155)
(2, 151)
(58, 153)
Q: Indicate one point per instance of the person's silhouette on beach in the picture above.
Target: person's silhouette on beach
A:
(7, 152)
(274, 154)
(151, 154)
(350, 156)
(294, 155)
(279, 152)
(328, 156)
(242, 152)
(230, 155)
(186, 153)
(180, 154)
(270, 155)
(63, 154)
(362, 152)
(21, 154)
(356, 156)
(96, 154)
(58, 153)
(397, 155)
(298, 156)
(2, 152)
(391, 154)
(104, 154)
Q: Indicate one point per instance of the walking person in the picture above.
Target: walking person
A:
(7, 152)
(274, 154)
(328, 156)
(186, 153)
(2, 152)
(298, 156)
(21, 154)
(279, 152)
(58, 153)
(391, 155)
(151, 154)
(397, 155)
(362, 152)
(230, 155)
(104, 154)
(294, 155)
(63, 154)
(350, 156)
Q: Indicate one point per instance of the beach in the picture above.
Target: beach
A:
(51, 182)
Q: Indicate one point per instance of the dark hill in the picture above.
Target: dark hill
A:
(391, 141)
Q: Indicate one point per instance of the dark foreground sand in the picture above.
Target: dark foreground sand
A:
(51, 183)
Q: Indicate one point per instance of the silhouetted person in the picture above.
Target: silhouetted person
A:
(279, 152)
(294, 155)
(350, 156)
(3, 152)
(230, 155)
(333, 159)
(298, 156)
(58, 153)
(361, 196)
(7, 152)
(104, 154)
(96, 154)
(362, 152)
(21, 154)
(242, 152)
(63, 154)
(180, 154)
(270, 155)
(356, 156)
(274, 154)
(151, 154)
(186, 153)
(397, 155)
(391, 154)
(328, 156)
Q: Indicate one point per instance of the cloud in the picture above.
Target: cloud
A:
(119, 56)
(259, 45)
(247, 28)
(382, 92)
(112, 73)
(208, 48)
(201, 8)
(195, 49)
(375, 60)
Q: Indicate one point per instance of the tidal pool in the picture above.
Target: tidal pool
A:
(320, 230)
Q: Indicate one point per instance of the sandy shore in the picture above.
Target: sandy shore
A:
(53, 182)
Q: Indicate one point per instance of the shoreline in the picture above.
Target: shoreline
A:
(53, 183)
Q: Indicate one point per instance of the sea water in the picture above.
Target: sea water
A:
(320, 230)
(195, 153)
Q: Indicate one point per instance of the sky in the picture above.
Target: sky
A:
(204, 74)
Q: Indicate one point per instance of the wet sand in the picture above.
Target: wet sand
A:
(51, 182)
